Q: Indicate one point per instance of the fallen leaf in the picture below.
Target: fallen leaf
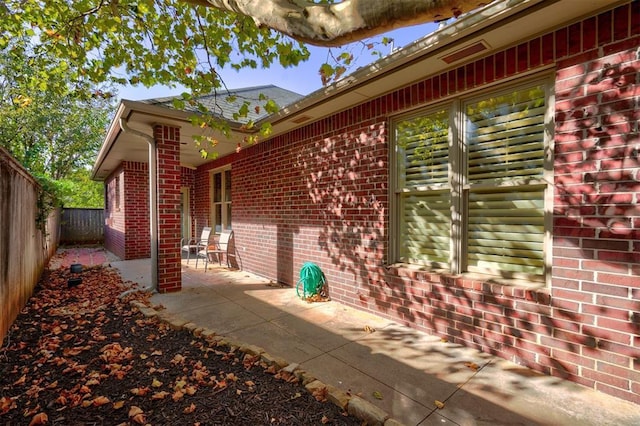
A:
(21, 380)
(139, 418)
(140, 391)
(39, 419)
(118, 405)
(156, 383)
(369, 329)
(7, 404)
(180, 384)
(320, 394)
(190, 409)
(177, 395)
(72, 351)
(134, 410)
(439, 404)
(472, 365)
(100, 401)
(377, 395)
(160, 395)
(178, 359)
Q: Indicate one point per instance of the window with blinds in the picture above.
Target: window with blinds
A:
(221, 197)
(491, 176)
(423, 165)
(505, 139)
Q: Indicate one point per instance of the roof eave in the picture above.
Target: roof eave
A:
(467, 24)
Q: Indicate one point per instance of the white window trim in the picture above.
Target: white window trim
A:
(186, 212)
(213, 172)
(458, 183)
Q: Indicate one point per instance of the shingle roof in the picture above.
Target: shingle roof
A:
(226, 103)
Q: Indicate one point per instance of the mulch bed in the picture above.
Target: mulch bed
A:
(80, 355)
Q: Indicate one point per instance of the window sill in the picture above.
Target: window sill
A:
(465, 279)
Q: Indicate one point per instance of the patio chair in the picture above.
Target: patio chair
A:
(194, 245)
(222, 247)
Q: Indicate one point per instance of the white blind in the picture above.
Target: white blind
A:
(505, 136)
(423, 185)
(506, 230)
(426, 224)
(423, 150)
(505, 139)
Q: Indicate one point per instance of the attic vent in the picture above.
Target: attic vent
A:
(465, 52)
(301, 119)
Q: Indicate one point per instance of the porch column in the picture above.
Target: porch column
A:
(168, 159)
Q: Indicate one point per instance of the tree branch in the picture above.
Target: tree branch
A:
(336, 24)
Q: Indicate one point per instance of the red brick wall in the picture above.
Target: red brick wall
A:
(136, 208)
(320, 194)
(127, 218)
(168, 157)
(595, 294)
(114, 227)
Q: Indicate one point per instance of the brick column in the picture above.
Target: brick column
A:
(168, 157)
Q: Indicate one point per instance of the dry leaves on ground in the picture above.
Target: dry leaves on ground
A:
(81, 355)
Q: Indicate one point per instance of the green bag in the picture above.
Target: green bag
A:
(311, 280)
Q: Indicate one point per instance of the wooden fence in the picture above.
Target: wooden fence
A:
(28, 238)
(82, 226)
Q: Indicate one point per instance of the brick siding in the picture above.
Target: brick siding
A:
(168, 156)
(320, 193)
(127, 220)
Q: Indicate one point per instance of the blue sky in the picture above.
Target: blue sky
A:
(302, 79)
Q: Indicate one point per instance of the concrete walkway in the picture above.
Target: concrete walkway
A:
(399, 370)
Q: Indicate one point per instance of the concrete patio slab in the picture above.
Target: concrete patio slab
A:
(427, 354)
(284, 299)
(189, 299)
(279, 342)
(350, 378)
(137, 271)
(408, 381)
(266, 311)
(223, 318)
(308, 330)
